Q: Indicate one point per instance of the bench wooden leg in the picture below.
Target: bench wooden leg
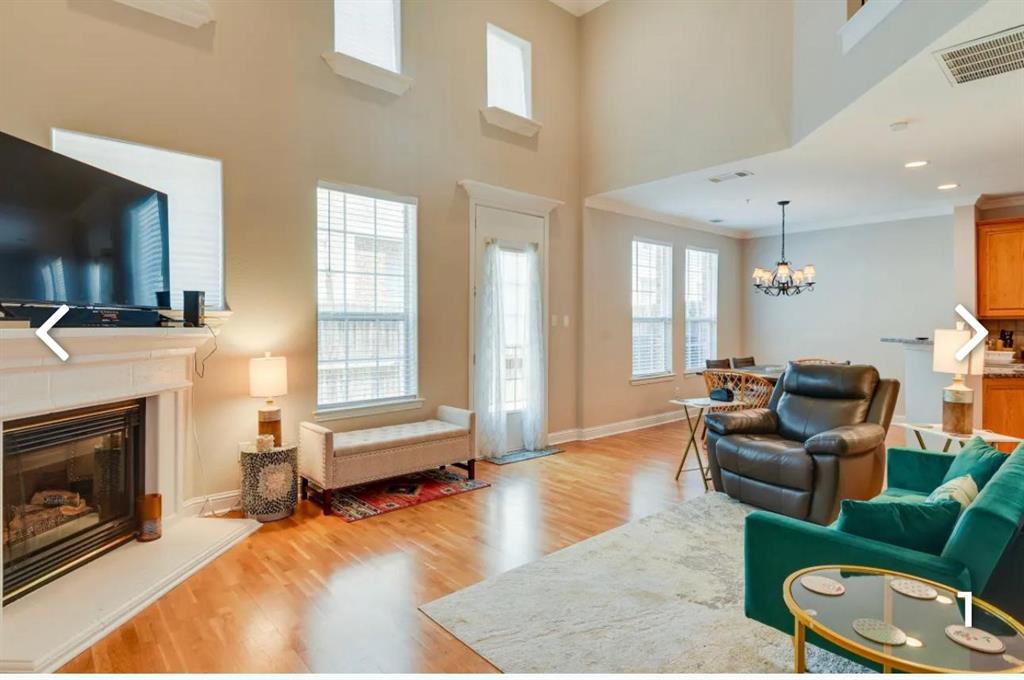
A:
(304, 488)
(471, 469)
(326, 497)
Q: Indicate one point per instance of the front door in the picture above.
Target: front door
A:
(521, 339)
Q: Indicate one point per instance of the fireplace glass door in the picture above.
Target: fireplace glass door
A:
(70, 481)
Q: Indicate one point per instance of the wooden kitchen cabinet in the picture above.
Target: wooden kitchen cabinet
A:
(1003, 407)
(1000, 246)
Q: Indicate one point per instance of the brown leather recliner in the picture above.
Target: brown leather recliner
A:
(821, 439)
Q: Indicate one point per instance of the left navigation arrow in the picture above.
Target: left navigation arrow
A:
(43, 332)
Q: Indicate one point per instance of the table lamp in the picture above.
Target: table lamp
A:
(268, 378)
(958, 398)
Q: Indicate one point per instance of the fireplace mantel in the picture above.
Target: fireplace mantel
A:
(108, 365)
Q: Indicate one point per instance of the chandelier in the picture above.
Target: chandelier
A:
(784, 280)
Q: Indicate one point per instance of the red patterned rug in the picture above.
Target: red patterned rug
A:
(376, 498)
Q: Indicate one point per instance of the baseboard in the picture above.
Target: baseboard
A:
(556, 438)
(215, 504)
(598, 431)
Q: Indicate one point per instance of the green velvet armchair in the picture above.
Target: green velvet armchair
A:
(776, 546)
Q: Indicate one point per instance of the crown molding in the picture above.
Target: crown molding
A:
(620, 208)
(509, 199)
(863, 220)
(987, 202)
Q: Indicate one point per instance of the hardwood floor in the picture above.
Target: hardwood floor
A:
(313, 593)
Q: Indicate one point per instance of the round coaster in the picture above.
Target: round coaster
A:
(823, 585)
(914, 589)
(880, 632)
(976, 639)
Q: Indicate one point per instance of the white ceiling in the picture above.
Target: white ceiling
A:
(579, 7)
(850, 170)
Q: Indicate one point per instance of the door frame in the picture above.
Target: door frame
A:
(499, 198)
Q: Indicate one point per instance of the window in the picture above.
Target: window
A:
(652, 309)
(508, 72)
(194, 207)
(370, 30)
(366, 299)
(701, 307)
(515, 297)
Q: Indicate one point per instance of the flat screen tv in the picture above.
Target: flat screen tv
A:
(74, 234)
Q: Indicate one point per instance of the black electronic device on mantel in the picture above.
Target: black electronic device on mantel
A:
(195, 308)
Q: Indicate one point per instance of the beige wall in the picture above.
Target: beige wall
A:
(252, 90)
(607, 395)
(670, 87)
(893, 279)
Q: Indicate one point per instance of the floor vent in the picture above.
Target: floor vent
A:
(984, 57)
(725, 177)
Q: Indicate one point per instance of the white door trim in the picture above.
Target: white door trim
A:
(490, 196)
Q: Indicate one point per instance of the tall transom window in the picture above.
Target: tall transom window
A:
(370, 30)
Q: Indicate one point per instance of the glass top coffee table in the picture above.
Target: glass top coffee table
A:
(900, 621)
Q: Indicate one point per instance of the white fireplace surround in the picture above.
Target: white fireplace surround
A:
(108, 365)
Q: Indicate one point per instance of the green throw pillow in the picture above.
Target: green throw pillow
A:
(918, 526)
(963, 490)
(977, 459)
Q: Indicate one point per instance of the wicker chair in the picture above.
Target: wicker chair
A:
(749, 391)
(743, 362)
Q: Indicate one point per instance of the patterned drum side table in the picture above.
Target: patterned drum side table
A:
(269, 481)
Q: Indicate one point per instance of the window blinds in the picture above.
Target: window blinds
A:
(652, 309)
(369, 30)
(366, 299)
(701, 307)
(508, 72)
(194, 206)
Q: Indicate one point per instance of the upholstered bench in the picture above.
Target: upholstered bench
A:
(329, 461)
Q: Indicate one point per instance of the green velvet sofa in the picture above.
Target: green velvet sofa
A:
(973, 558)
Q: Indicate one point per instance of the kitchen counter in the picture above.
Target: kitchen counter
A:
(1004, 370)
(910, 341)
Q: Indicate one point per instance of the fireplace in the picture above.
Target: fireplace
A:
(70, 481)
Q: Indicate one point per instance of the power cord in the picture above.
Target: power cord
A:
(195, 367)
(201, 373)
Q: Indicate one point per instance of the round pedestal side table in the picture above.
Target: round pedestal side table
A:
(269, 481)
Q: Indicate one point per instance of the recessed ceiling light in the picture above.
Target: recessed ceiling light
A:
(947, 187)
(717, 220)
(899, 126)
(915, 164)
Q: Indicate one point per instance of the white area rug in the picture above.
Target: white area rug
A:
(663, 594)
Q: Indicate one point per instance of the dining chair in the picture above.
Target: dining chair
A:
(716, 363)
(743, 362)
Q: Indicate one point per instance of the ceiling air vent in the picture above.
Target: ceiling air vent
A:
(725, 177)
(984, 57)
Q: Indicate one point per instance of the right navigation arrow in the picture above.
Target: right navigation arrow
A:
(979, 333)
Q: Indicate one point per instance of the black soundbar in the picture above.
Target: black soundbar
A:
(84, 317)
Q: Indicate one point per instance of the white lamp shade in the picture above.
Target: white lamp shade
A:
(947, 342)
(268, 376)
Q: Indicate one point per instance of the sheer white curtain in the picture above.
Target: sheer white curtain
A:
(534, 364)
(489, 372)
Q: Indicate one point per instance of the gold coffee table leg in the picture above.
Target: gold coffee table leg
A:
(799, 659)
